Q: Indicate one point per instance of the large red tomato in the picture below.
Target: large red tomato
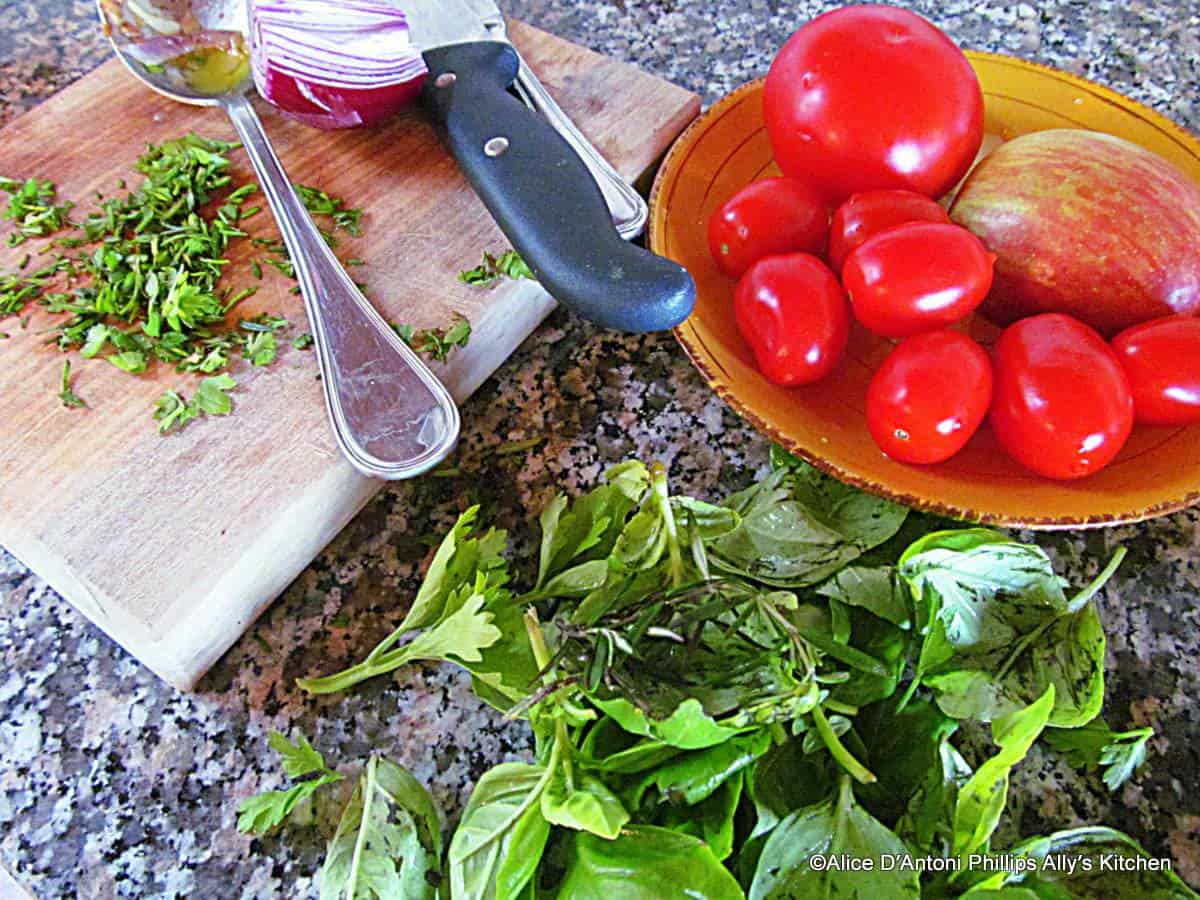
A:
(917, 277)
(929, 396)
(1162, 359)
(871, 97)
(766, 218)
(792, 312)
(1062, 405)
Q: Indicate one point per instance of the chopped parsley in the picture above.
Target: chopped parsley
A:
(507, 265)
(436, 343)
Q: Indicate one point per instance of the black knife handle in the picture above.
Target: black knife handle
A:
(544, 198)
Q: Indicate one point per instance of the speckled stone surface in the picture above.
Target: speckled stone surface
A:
(114, 785)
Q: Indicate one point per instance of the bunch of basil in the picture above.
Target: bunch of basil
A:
(722, 694)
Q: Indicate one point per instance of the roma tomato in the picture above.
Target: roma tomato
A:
(767, 218)
(1162, 359)
(865, 215)
(870, 97)
(792, 312)
(917, 277)
(929, 397)
(1062, 405)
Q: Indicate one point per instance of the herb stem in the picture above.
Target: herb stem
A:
(1081, 599)
(368, 791)
(562, 742)
(658, 480)
(838, 750)
(844, 708)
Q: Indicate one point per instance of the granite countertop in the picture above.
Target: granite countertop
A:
(112, 784)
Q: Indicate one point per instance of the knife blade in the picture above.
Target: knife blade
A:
(533, 181)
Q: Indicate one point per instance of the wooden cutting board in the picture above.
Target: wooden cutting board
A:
(174, 545)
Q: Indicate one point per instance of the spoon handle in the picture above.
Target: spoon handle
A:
(392, 417)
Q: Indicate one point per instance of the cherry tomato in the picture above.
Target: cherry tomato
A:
(792, 312)
(1062, 405)
(929, 397)
(1162, 359)
(870, 97)
(865, 215)
(917, 277)
(767, 218)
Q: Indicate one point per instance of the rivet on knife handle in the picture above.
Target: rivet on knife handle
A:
(545, 199)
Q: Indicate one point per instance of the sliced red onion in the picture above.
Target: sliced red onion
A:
(334, 64)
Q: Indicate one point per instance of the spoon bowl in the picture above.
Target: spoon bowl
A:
(391, 416)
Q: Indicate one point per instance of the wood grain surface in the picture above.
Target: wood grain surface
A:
(174, 545)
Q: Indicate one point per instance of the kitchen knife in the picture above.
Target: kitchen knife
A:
(626, 206)
(541, 194)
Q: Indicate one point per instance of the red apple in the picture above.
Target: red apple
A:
(1085, 224)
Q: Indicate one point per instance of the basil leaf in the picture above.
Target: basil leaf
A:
(645, 863)
(1090, 849)
(589, 806)
(999, 629)
(643, 541)
(689, 727)
(610, 748)
(712, 819)
(981, 800)
(873, 588)
(799, 527)
(834, 827)
(578, 581)
(930, 814)
(694, 777)
(388, 842)
(498, 844)
(710, 521)
(783, 780)
(903, 748)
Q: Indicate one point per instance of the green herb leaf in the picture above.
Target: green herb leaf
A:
(834, 827)
(873, 588)
(1090, 848)
(1094, 745)
(799, 527)
(171, 411)
(298, 759)
(507, 265)
(981, 800)
(68, 397)
(388, 842)
(499, 842)
(131, 361)
(263, 813)
(999, 628)
(645, 863)
(587, 805)
(260, 348)
(691, 778)
(212, 397)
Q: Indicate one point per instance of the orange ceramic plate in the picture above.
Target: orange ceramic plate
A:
(1157, 472)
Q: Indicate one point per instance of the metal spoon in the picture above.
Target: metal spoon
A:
(392, 417)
